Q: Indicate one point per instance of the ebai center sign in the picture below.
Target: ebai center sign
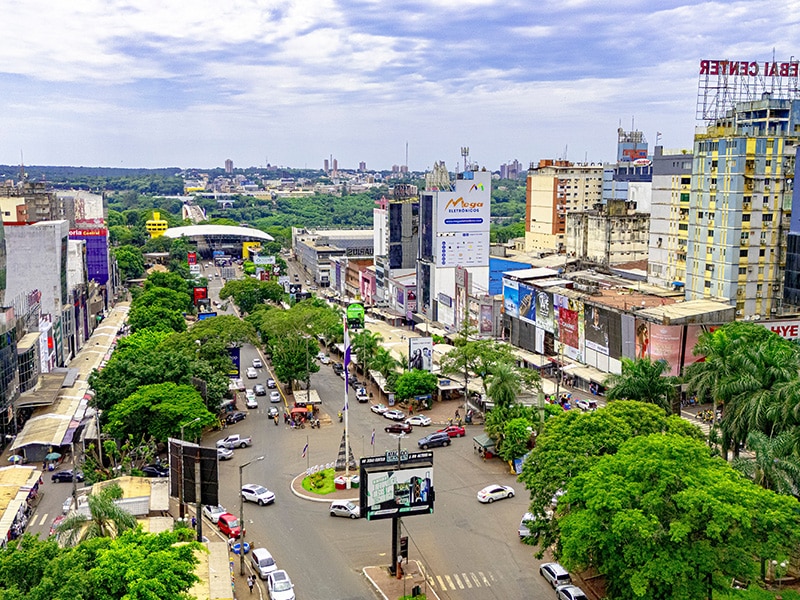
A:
(749, 68)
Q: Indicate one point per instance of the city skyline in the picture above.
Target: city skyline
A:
(146, 84)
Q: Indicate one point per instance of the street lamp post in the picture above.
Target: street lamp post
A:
(241, 514)
(182, 508)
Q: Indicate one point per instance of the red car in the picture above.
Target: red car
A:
(229, 525)
(398, 428)
(453, 431)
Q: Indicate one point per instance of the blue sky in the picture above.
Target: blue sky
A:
(191, 83)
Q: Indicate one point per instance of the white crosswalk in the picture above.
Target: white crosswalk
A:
(462, 581)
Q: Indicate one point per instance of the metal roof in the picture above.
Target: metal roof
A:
(217, 230)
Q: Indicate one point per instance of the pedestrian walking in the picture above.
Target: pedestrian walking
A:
(251, 581)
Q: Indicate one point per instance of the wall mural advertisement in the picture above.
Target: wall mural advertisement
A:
(545, 315)
(511, 297)
(420, 353)
(665, 344)
(486, 319)
(527, 303)
(596, 328)
(567, 311)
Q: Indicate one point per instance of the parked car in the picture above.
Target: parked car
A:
(338, 368)
(257, 363)
(394, 415)
(274, 396)
(434, 439)
(586, 405)
(67, 505)
(345, 508)
(66, 476)
(570, 592)
(362, 395)
(251, 373)
(272, 412)
(213, 512)
(235, 441)
(325, 360)
(224, 453)
(250, 400)
(495, 492)
(155, 471)
(279, 586)
(229, 525)
(420, 420)
(454, 431)
(398, 427)
(524, 530)
(378, 409)
(259, 390)
(320, 355)
(235, 417)
(263, 563)
(237, 384)
(252, 492)
(271, 383)
(555, 574)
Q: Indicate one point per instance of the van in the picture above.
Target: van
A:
(263, 562)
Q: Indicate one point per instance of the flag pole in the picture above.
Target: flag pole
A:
(308, 455)
(346, 404)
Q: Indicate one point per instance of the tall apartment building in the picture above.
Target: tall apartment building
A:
(669, 217)
(555, 188)
(228, 166)
(739, 206)
(29, 202)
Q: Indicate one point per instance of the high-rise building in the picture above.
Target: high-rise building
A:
(229, 166)
(669, 217)
(362, 166)
(326, 165)
(554, 188)
(740, 204)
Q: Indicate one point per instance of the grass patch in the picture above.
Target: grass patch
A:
(320, 482)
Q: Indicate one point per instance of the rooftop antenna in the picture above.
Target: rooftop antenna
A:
(21, 168)
(406, 154)
(465, 154)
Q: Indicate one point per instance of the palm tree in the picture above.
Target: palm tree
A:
(384, 362)
(775, 465)
(644, 380)
(505, 384)
(365, 344)
(106, 518)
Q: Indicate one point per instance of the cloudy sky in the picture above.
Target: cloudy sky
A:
(189, 83)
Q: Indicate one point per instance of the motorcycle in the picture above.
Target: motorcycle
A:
(340, 416)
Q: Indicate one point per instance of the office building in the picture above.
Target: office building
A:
(740, 205)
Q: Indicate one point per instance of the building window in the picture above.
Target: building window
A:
(745, 218)
(762, 252)
(707, 285)
(743, 253)
(766, 218)
(742, 270)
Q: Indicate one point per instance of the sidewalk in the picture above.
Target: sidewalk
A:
(391, 588)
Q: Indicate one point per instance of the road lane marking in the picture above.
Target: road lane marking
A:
(475, 579)
(466, 580)
(32, 522)
(449, 582)
(458, 581)
(483, 578)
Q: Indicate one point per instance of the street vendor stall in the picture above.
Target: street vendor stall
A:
(483, 445)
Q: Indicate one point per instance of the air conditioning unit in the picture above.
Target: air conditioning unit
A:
(759, 295)
(739, 313)
(776, 286)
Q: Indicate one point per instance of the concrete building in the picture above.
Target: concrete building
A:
(228, 166)
(610, 234)
(555, 188)
(454, 244)
(740, 205)
(314, 249)
(396, 229)
(29, 202)
(669, 217)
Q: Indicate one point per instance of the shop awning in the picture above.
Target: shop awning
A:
(484, 441)
(537, 360)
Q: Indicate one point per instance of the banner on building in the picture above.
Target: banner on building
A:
(420, 353)
(511, 297)
(544, 311)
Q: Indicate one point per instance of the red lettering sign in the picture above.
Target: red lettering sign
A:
(751, 68)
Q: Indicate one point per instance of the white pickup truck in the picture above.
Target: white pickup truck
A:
(235, 441)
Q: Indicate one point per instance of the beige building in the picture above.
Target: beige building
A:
(555, 189)
(608, 235)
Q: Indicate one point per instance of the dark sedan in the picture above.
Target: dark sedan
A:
(66, 476)
(155, 471)
(235, 417)
(398, 428)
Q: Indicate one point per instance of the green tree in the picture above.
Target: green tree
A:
(172, 281)
(505, 384)
(516, 438)
(774, 464)
(662, 519)
(644, 380)
(130, 261)
(155, 317)
(165, 298)
(294, 359)
(157, 411)
(106, 518)
(364, 345)
(415, 383)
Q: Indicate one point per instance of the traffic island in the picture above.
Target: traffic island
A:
(412, 584)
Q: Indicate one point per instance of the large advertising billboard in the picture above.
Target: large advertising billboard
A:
(458, 213)
(567, 314)
(511, 297)
(420, 353)
(596, 329)
(396, 486)
(545, 316)
(527, 303)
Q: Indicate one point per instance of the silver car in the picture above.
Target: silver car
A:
(345, 508)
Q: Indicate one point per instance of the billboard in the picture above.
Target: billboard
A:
(545, 315)
(468, 249)
(263, 260)
(459, 213)
(567, 315)
(235, 355)
(511, 297)
(527, 303)
(420, 353)
(191, 258)
(355, 315)
(396, 486)
(660, 342)
(596, 329)
(486, 326)
(200, 293)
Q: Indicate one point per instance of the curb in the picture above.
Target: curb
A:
(314, 498)
(374, 584)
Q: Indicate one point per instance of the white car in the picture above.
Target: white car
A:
(250, 400)
(345, 508)
(325, 360)
(378, 409)
(320, 355)
(275, 396)
(279, 586)
(252, 492)
(570, 592)
(235, 441)
(213, 512)
(495, 492)
(251, 373)
(420, 420)
(224, 453)
(394, 415)
(257, 364)
(524, 530)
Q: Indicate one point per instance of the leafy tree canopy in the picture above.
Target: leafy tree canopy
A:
(662, 519)
(415, 383)
(155, 317)
(130, 261)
